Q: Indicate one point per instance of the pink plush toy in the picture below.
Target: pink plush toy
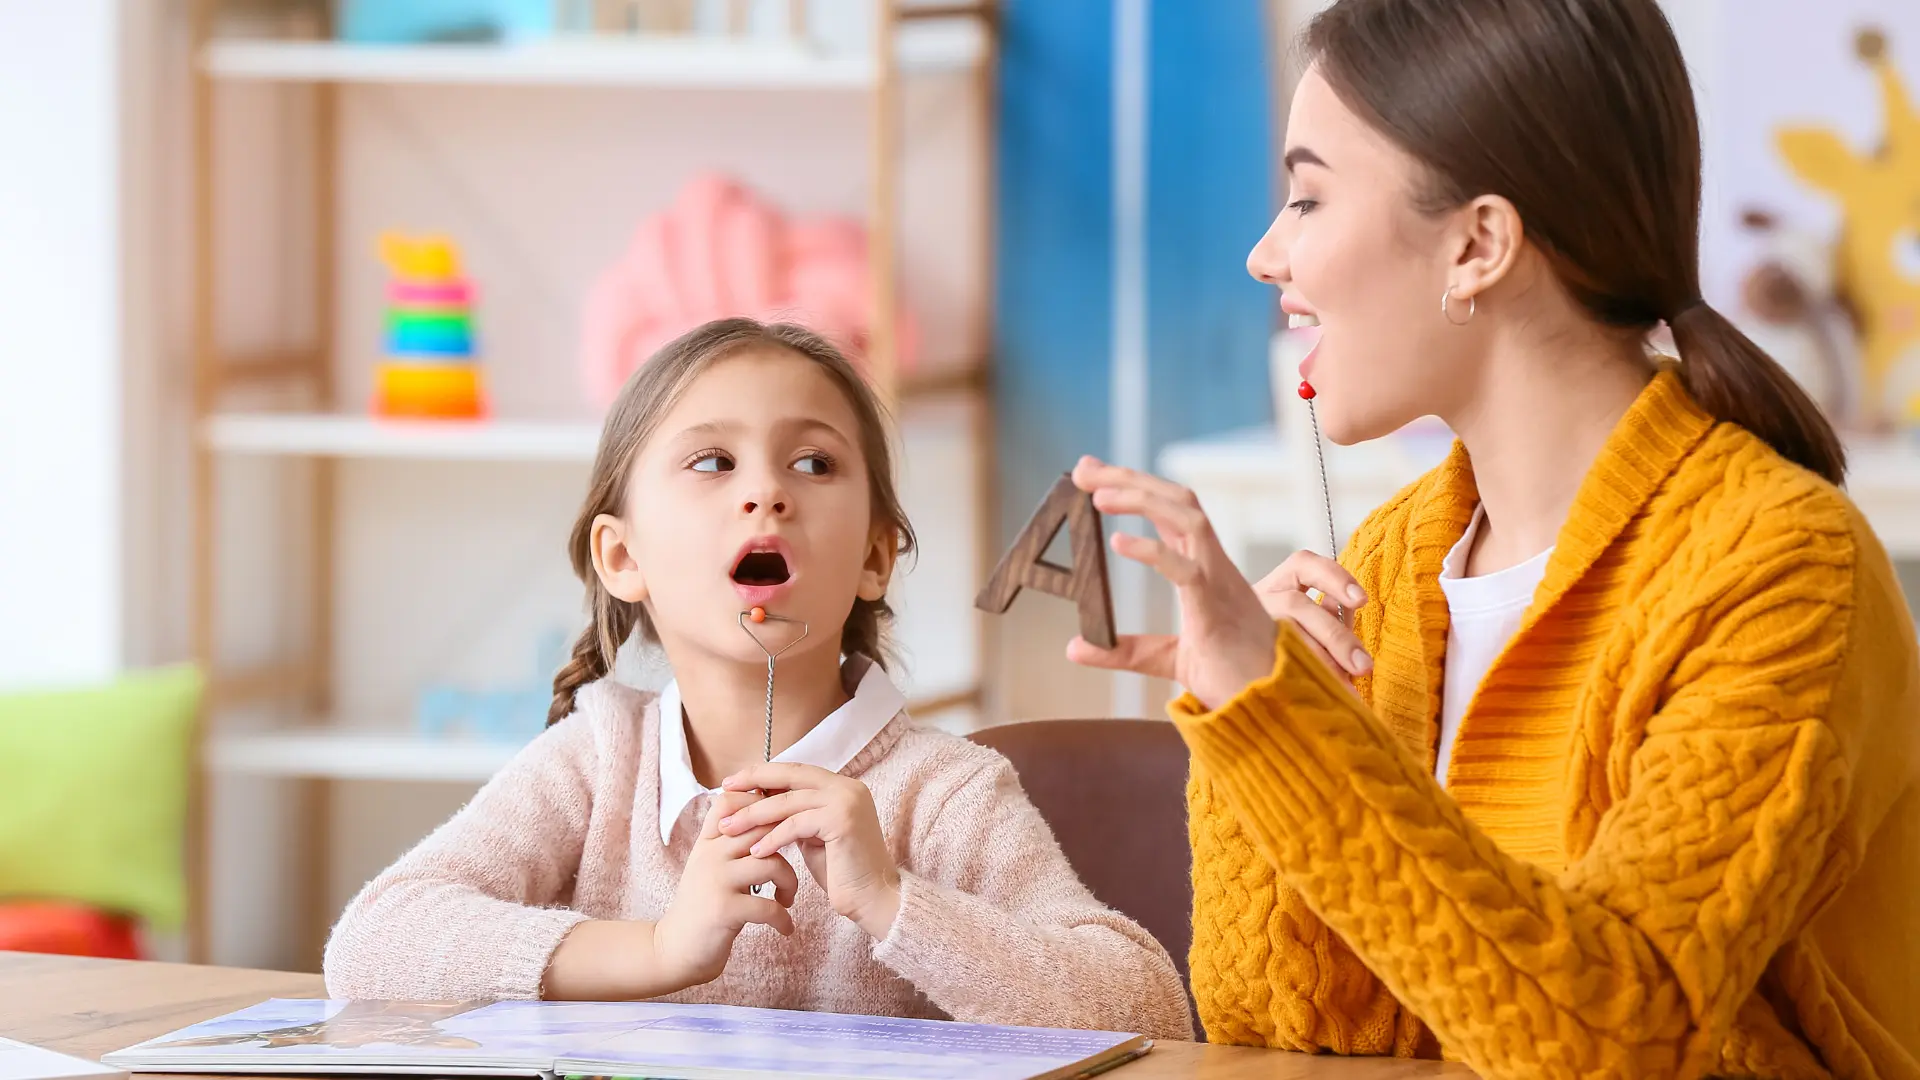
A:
(717, 252)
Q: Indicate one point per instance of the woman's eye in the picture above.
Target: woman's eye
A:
(814, 465)
(1303, 206)
(711, 461)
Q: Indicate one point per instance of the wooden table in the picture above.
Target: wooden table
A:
(92, 1007)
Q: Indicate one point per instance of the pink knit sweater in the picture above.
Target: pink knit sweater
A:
(994, 925)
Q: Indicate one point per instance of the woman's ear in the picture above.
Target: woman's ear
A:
(883, 549)
(614, 561)
(1488, 244)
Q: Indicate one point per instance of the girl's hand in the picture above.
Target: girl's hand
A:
(1226, 638)
(1284, 594)
(833, 819)
(692, 941)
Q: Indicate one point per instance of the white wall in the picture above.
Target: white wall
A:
(60, 338)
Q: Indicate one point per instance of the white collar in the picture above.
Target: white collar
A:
(833, 742)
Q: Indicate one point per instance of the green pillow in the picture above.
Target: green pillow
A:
(93, 793)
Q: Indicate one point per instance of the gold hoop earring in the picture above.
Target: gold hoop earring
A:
(1446, 308)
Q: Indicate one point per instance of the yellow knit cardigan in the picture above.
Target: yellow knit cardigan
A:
(1680, 833)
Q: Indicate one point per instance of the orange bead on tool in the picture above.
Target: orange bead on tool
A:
(758, 614)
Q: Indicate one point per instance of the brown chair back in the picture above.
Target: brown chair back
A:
(1115, 794)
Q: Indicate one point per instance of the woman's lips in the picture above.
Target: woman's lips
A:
(1296, 321)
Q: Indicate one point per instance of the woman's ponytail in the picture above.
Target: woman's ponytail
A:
(1736, 381)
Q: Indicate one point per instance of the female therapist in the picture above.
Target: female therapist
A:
(1614, 772)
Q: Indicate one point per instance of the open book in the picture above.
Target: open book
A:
(618, 1039)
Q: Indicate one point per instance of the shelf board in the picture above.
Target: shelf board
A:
(358, 755)
(349, 436)
(693, 61)
(345, 754)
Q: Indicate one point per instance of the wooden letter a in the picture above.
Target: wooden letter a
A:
(1025, 566)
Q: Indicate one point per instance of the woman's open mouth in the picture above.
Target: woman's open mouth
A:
(1309, 324)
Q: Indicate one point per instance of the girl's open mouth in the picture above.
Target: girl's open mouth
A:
(762, 571)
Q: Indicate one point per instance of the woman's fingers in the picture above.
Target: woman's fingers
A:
(1147, 654)
(1305, 570)
(1326, 632)
(1172, 565)
(1176, 516)
(1091, 474)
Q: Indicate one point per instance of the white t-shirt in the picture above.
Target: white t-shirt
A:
(1483, 615)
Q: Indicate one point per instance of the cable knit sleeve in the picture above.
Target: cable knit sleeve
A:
(1266, 970)
(995, 927)
(476, 910)
(1634, 960)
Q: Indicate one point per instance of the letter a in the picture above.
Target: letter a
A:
(1025, 566)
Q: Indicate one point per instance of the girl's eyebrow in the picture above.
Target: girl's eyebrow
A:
(804, 425)
(791, 427)
(710, 427)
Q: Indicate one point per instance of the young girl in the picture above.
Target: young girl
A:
(1615, 771)
(745, 469)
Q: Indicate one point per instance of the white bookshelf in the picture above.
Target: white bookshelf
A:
(353, 522)
(687, 62)
(335, 753)
(337, 435)
(331, 751)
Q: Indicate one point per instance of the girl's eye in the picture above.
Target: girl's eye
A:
(1303, 206)
(712, 461)
(814, 465)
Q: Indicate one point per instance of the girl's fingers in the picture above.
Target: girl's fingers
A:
(779, 776)
(743, 873)
(725, 805)
(1148, 654)
(1175, 567)
(1305, 570)
(770, 810)
(743, 909)
(802, 826)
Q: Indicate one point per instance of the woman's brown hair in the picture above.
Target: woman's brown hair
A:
(643, 402)
(1580, 113)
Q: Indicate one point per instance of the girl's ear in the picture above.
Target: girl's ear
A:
(883, 548)
(614, 561)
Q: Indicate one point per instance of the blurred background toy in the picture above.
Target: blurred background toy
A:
(1790, 307)
(1878, 264)
(721, 250)
(418, 21)
(431, 370)
(508, 714)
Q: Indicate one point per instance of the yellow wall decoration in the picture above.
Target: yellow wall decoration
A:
(1878, 251)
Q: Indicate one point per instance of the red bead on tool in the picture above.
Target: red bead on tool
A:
(758, 614)
(1306, 390)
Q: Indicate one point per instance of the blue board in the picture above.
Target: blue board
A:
(1210, 194)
